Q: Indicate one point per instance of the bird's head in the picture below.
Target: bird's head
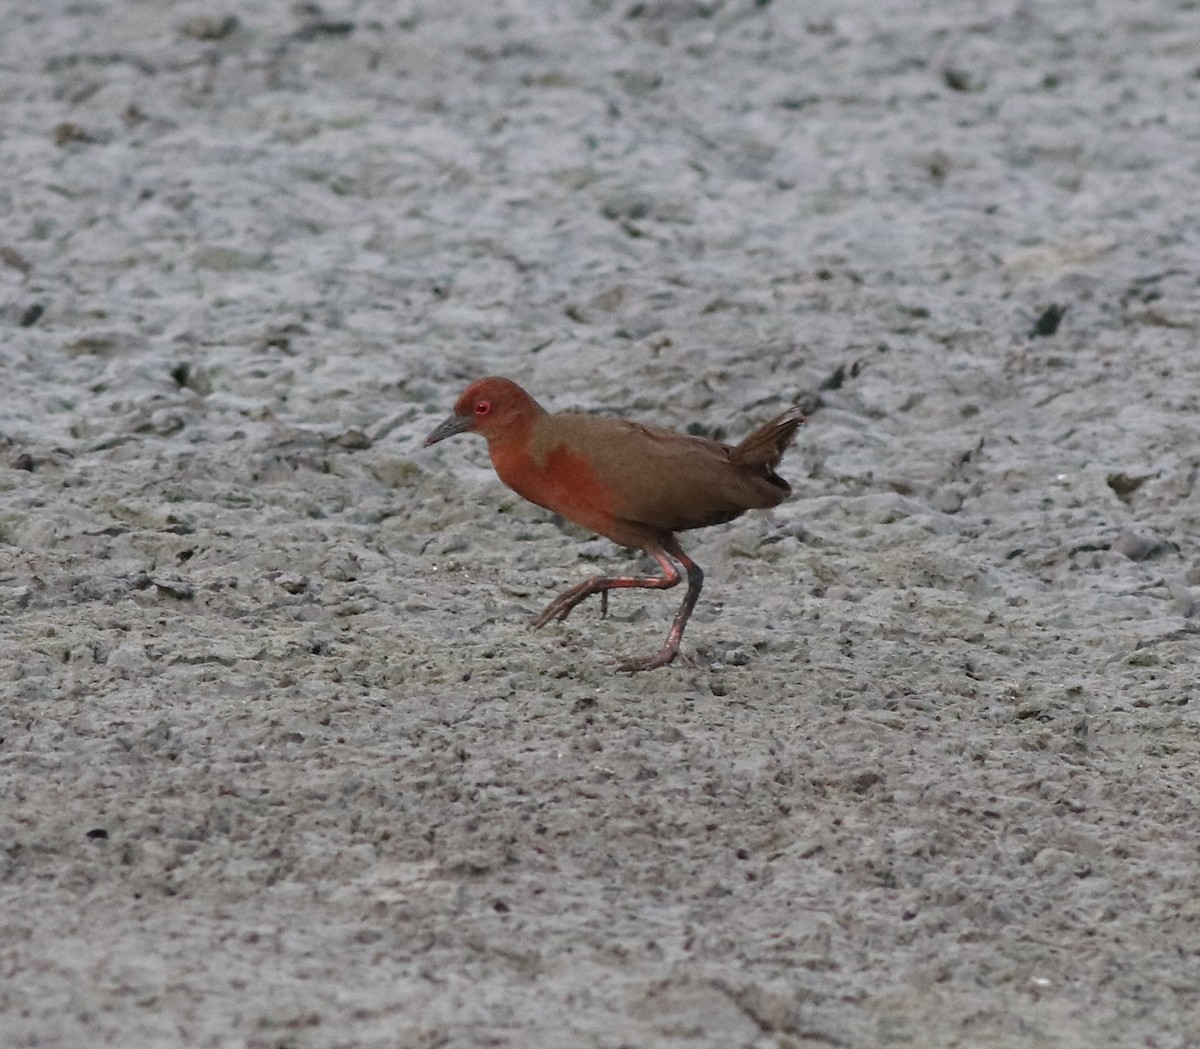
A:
(493, 407)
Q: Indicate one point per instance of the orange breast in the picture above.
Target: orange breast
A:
(564, 481)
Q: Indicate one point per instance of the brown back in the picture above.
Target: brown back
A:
(665, 481)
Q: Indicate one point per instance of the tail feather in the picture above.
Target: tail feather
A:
(766, 445)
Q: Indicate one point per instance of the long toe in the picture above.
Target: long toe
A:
(562, 606)
(557, 609)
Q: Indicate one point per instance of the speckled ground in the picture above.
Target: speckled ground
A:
(281, 763)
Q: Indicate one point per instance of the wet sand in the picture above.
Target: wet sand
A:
(282, 763)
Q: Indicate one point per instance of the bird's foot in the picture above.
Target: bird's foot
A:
(563, 605)
(558, 609)
(539, 621)
(667, 654)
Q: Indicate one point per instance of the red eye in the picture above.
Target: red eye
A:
(482, 407)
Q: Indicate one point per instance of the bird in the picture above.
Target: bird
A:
(635, 484)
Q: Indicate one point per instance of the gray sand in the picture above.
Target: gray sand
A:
(282, 764)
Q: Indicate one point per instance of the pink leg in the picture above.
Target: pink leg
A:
(670, 648)
(565, 603)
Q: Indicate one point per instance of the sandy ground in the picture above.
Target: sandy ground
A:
(282, 764)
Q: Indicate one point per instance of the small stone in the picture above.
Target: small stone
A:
(1142, 546)
(353, 441)
(224, 260)
(179, 589)
(1124, 485)
(68, 133)
(128, 657)
(946, 501)
(1048, 321)
(293, 582)
(209, 27)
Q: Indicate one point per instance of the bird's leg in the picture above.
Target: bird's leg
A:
(671, 648)
(563, 605)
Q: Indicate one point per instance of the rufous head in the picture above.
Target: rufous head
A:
(493, 407)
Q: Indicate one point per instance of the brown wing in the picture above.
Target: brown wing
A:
(666, 481)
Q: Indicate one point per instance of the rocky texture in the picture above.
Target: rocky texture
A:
(281, 763)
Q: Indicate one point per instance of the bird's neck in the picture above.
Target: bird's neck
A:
(512, 446)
